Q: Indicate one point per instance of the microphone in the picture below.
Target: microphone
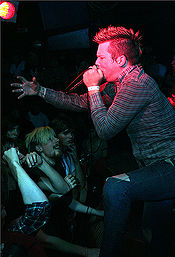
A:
(78, 83)
(92, 66)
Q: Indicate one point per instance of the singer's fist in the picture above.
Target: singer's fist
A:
(92, 77)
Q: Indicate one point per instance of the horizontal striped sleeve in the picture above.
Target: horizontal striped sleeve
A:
(128, 102)
(62, 100)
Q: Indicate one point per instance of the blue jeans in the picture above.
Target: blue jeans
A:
(154, 184)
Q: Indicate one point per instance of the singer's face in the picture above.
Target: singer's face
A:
(106, 64)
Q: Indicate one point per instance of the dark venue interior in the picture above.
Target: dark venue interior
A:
(52, 41)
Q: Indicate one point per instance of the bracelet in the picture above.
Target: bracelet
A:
(93, 88)
(42, 91)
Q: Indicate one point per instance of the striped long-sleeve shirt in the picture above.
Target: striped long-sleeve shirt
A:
(138, 106)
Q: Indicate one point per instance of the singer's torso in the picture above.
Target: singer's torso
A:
(138, 106)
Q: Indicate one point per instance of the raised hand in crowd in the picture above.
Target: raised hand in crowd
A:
(35, 160)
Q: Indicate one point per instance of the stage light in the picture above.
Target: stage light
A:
(7, 10)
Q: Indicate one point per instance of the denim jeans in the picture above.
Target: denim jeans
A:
(154, 184)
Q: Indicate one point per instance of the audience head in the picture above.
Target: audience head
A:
(10, 128)
(64, 133)
(43, 140)
(6, 144)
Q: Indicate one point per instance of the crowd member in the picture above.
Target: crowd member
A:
(89, 189)
(149, 119)
(11, 129)
(44, 156)
(20, 240)
(70, 158)
(47, 149)
(18, 113)
(43, 141)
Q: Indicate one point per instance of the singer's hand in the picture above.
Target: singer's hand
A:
(26, 87)
(93, 77)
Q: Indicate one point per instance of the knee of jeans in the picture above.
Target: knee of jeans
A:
(115, 188)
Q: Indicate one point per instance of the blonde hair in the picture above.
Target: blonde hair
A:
(39, 136)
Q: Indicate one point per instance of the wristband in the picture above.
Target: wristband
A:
(42, 91)
(93, 88)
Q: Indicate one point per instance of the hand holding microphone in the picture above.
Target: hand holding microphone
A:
(92, 78)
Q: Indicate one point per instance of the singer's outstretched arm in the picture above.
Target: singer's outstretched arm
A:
(60, 99)
(57, 98)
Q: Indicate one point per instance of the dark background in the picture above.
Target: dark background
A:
(38, 20)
